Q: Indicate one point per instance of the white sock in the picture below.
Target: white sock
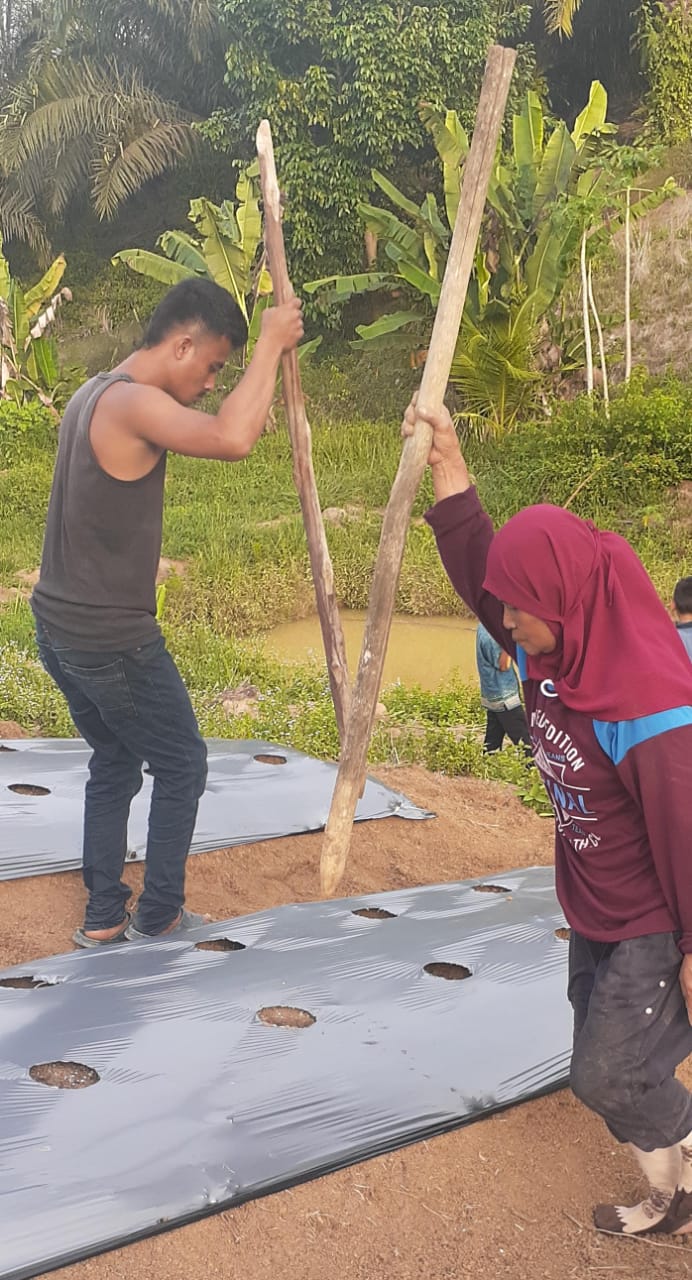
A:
(679, 1217)
(685, 1182)
(662, 1169)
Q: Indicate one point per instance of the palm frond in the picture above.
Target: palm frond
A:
(85, 124)
(559, 16)
(72, 168)
(158, 148)
(20, 221)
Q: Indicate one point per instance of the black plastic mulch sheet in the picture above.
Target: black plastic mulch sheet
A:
(200, 1105)
(255, 791)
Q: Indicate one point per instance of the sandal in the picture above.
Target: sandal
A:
(678, 1220)
(82, 939)
(188, 920)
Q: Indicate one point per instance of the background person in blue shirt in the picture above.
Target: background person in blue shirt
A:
(682, 612)
(499, 694)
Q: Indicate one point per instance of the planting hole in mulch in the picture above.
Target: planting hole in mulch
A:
(270, 759)
(28, 789)
(490, 888)
(219, 944)
(563, 934)
(4, 748)
(25, 982)
(374, 913)
(64, 1075)
(281, 1015)
(442, 969)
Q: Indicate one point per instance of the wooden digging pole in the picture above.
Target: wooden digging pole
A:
(301, 444)
(477, 170)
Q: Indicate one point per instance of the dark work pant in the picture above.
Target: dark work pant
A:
(132, 708)
(512, 723)
(631, 1030)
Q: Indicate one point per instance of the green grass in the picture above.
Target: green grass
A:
(440, 730)
(238, 531)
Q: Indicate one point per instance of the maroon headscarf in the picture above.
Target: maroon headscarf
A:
(618, 655)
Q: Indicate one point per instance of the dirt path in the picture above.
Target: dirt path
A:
(509, 1196)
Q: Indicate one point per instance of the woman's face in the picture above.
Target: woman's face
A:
(533, 634)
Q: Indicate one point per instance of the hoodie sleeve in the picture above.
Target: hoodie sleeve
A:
(653, 756)
(464, 531)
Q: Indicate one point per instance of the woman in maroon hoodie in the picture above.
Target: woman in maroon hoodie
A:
(608, 690)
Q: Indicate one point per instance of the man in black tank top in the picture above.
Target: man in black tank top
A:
(95, 602)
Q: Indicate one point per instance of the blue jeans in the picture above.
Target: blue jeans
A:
(132, 707)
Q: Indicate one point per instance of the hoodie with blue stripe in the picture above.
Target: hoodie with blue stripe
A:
(621, 791)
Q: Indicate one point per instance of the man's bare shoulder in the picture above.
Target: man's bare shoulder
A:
(127, 404)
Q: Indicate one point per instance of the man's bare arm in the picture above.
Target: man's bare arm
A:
(151, 415)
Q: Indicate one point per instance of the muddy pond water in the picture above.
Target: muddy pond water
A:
(424, 651)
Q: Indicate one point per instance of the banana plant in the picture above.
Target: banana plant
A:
(28, 356)
(226, 247)
(542, 200)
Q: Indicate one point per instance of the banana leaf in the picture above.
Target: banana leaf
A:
(430, 247)
(248, 216)
(527, 133)
(42, 363)
(4, 274)
(181, 247)
(35, 299)
(265, 285)
(452, 145)
(153, 265)
(15, 388)
(545, 272)
(501, 196)
(19, 318)
(224, 257)
(431, 215)
(421, 280)
(394, 232)
(387, 324)
(556, 167)
(397, 197)
(593, 117)
(404, 341)
(345, 287)
(223, 215)
(307, 348)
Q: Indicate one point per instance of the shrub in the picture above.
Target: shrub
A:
(26, 428)
(667, 47)
(611, 470)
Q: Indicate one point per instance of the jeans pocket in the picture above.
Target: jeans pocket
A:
(106, 687)
(147, 653)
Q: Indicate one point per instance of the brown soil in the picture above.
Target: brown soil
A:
(64, 1075)
(10, 729)
(509, 1196)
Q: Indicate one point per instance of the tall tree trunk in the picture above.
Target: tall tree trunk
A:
(601, 344)
(588, 348)
(628, 287)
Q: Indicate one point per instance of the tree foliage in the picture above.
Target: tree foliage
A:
(666, 38)
(28, 357)
(340, 82)
(103, 99)
(226, 247)
(556, 185)
(559, 15)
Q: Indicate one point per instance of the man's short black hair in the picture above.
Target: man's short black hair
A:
(197, 301)
(682, 595)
